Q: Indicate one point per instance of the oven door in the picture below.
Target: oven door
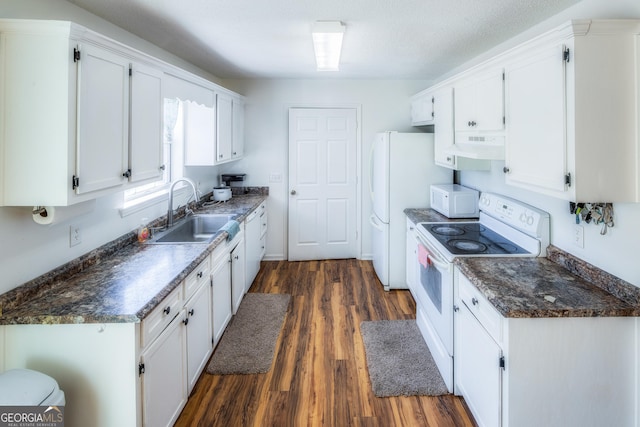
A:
(435, 291)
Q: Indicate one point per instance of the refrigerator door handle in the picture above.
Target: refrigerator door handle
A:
(374, 221)
(371, 170)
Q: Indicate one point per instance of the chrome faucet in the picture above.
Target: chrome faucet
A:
(170, 209)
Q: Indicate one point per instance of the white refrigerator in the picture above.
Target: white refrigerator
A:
(401, 169)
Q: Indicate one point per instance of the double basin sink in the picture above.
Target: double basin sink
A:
(199, 228)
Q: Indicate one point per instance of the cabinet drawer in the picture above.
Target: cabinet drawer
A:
(196, 278)
(481, 308)
(161, 316)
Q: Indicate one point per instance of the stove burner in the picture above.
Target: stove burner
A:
(470, 246)
(447, 230)
(475, 228)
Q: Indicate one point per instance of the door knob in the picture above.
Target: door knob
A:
(293, 192)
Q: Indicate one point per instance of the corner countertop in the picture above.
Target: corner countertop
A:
(517, 286)
(121, 282)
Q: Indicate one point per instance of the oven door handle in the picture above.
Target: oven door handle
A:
(433, 255)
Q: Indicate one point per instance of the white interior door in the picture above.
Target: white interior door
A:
(322, 183)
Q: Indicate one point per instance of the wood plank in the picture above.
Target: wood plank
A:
(319, 375)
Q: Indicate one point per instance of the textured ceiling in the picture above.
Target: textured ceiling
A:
(404, 39)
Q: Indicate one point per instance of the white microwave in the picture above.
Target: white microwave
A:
(455, 201)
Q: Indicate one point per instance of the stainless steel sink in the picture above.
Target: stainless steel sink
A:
(199, 228)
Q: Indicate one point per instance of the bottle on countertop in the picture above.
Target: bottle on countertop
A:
(143, 231)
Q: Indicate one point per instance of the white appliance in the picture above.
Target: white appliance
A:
(454, 201)
(506, 228)
(401, 169)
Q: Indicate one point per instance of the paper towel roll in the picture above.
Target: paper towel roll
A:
(50, 215)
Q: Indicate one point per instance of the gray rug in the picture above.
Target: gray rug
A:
(248, 344)
(399, 361)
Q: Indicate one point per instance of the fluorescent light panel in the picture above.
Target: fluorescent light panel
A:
(327, 44)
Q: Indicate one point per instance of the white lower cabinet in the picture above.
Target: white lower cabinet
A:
(255, 239)
(221, 293)
(199, 337)
(237, 275)
(176, 345)
(531, 372)
(477, 359)
(164, 385)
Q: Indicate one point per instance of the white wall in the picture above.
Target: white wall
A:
(384, 105)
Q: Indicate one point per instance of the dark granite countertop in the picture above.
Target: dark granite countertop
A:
(122, 281)
(517, 286)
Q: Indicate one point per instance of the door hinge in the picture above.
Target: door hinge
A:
(140, 369)
(75, 182)
(501, 362)
(503, 76)
(567, 180)
(566, 54)
(76, 54)
(504, 120)
(130, 71)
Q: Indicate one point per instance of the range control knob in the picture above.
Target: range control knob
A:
(530, 220)
(523, 217)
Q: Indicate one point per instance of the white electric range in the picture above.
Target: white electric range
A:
(506, 228)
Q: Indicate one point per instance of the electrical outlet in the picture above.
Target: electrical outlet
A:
(578, 236)
(75, 238)
(275, 177)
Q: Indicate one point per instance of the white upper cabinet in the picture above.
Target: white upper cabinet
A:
(145, 149)
(81, 115)
(536, 153)
(103, 119)
(64, 116)
(224, 128)
(422, 109)
(237, 146)
(572, 113)
(479, 102)
(444, 136)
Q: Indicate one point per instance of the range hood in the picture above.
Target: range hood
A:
(484, 147)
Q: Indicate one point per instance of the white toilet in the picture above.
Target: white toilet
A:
(25, 387)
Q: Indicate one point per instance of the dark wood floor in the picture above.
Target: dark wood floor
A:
(319, 375)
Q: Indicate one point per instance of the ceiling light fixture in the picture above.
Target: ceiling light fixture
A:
(327, 44)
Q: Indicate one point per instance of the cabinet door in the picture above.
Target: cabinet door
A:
(489, 102)
(199, 336)
(103, 119)
(464, 93)
(411, 256)
(199, 127)
(535, 154)
(477, 368)
(221, 296)
(238, 129)
(145, 146)
(224, 130)
(479, 103)
(164, 381)
(237, 275)
(443, 127)
(253, 248)
(422, 109)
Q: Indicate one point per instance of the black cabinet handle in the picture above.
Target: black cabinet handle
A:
(186, 321)
(199, 275)
(506, 169)
(191, 312)
(474, 301)
(167, 310)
